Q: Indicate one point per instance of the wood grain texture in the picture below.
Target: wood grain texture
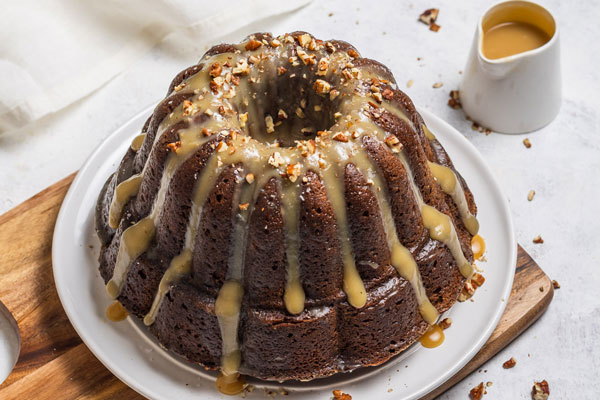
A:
(531, 293)
(54, 363)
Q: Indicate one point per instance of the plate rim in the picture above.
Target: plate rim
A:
(428, 116)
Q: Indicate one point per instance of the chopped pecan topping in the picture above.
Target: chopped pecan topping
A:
(339, 395)
(311, 147)
(540, 390)
(445, 323)
(281, 115)
(477, 392)
(214, 86)
(275, 159)
(269, 124)
(393, 143)
(221, 147)
(304, 39)
(307, 59)
(340, 137)
(244, 206)
(188, 107)
(429, 16)
(250, 177)
(180, 86)
(509, 363)
(281, 70)
(333, 94)
(388, 94)
(241, 68)
(322, 87)
(312, 45)
(347, 74)
(467, 292)
(476, 127)
(174, 146)
(454, 101)
(322, 66)
(215, 70)
(434, 27)
(293, 171)
(477, 279)
(243, 119)
(253, 45)
(353, 53)
(275, 43)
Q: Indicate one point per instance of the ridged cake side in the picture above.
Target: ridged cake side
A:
(335, 253)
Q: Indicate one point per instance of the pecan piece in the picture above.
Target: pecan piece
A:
(477, 392)
(253, 45)
(540, 390)
(509, 363)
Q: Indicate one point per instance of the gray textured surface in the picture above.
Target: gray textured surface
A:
(561, 166)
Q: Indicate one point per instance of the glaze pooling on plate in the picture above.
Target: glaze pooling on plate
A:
(349, 117)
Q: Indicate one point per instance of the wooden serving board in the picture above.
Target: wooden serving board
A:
(54, 363)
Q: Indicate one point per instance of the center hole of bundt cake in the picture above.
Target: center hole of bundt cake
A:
(289, 110)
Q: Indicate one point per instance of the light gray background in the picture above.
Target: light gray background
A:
(561, 166)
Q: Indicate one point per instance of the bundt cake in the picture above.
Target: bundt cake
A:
(286, 214)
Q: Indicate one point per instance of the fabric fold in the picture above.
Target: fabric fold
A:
(66, 49)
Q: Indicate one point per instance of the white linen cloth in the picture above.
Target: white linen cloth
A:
(54, 52)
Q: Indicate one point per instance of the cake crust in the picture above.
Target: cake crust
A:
(330, 334)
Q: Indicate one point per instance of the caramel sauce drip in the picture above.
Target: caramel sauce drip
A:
(116, 312)
(231, 384)
(433, 337)
(449, 184)
(478, 247)
(136, 143)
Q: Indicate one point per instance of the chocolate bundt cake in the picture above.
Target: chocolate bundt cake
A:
(286, 214)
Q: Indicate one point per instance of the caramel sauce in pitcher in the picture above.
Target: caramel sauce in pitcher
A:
(515, 27)
(509, 38)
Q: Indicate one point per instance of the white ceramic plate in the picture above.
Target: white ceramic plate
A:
(137, 359)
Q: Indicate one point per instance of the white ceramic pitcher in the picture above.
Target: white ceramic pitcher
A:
(518, 93)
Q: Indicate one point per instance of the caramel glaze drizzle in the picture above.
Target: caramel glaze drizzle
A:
(448, 182)
(116, 312)
(240, 135)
